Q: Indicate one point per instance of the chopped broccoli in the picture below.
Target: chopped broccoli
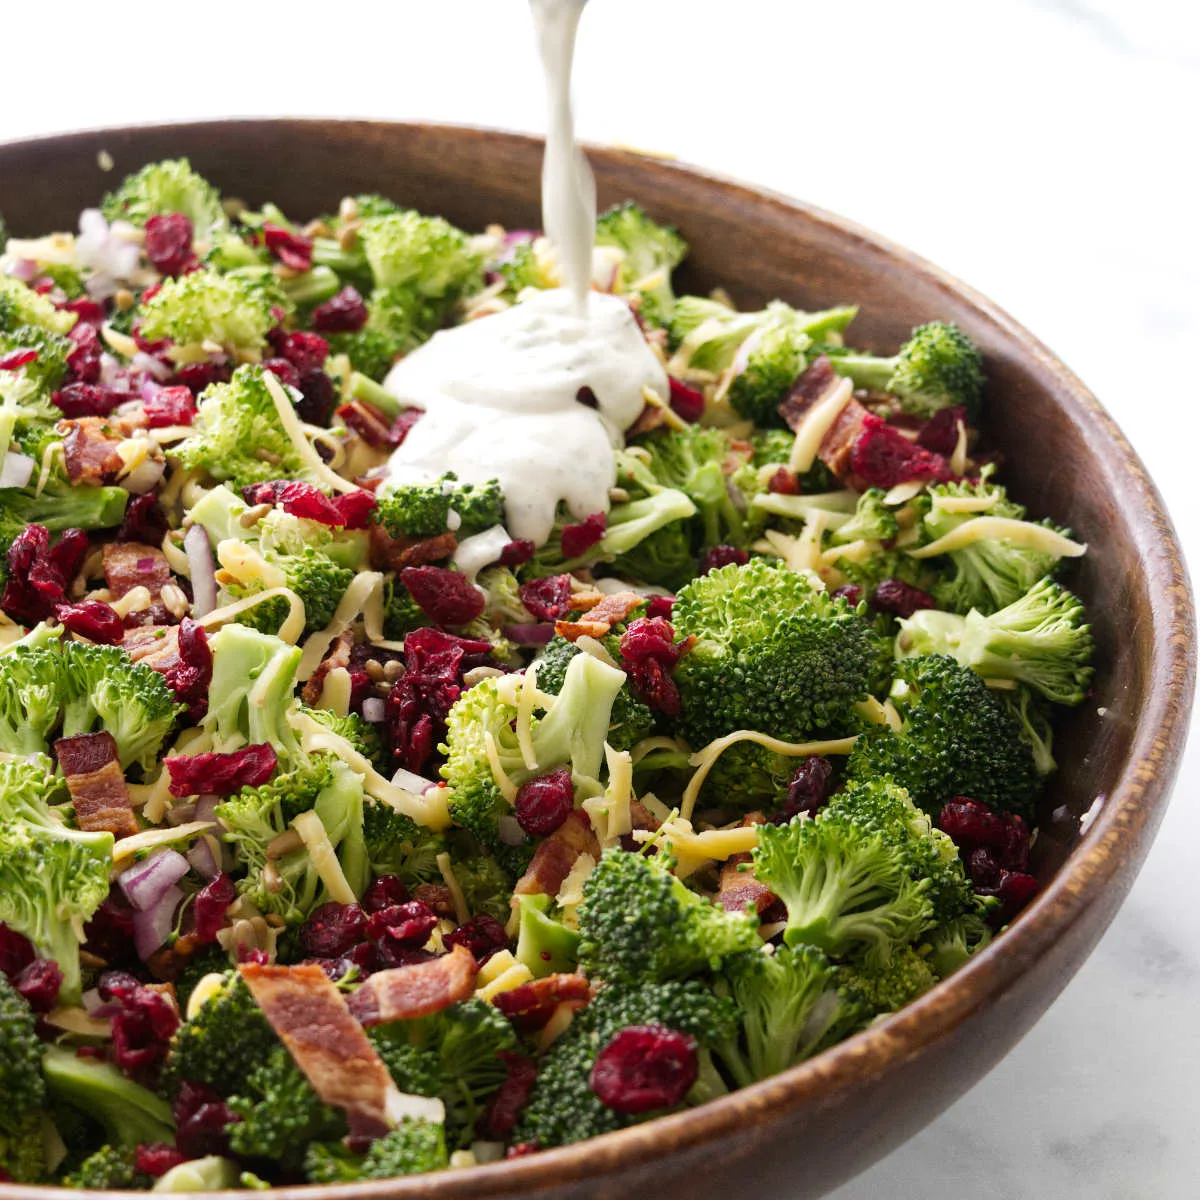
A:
(486, 881)
(170, 186)
(370, 351)
(361, 734)
(888, 987)
(525, 265)
(22, 306)
(872, 521)
(424, 255)
(412, 1148)
(953, 942)
(232, 311)
(1031, 714)
(650, 253)
(317, 580)
(111, 1168)
(397, 845)
(957, 738)
(937, 367)
(420, 510)
(48, 369)
(638, 922)
(32, 686)
(401, 614)
(1041, 640)
(544, 944)
(21, 1148)
(106, 689)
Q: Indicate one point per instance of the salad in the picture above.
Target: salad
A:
(346, 835)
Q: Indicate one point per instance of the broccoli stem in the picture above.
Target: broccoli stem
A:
(361, 387)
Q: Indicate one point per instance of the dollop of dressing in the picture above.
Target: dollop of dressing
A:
(536, 396)
(501, 397)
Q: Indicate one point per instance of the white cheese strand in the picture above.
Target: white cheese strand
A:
(295, 433)
(1025, 534)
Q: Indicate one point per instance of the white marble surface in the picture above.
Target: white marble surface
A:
(1044, 150)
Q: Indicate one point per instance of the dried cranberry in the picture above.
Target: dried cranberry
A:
(899, 598)
(209, 908)
(850, 592)
(506, 1104)
(292, 249)
(408, 924)
(516, 552)
(333, 929)
(349, 509)
(883, 457)
(170, 406)
(982, 867)
(283, 371)
(69, 551)
(198, 376)
(190, 676)
(686, 402)
(722, 556)
(221, 774)
(143, 1028)
(542, 804)
(384, 892)
(83, 359)
(344, 313)
(144, 521)
(317, 396)
(16, 951)
(157, 1158)
(109, 934)
(578, 539)
(168, 243)
(482, 935)
(200, 1120)
(87, 399)
(388, 954)
(16, 359)
(660, 606)
(649, 654)
(810, 787)
(1014, 852)
(548, 598)
(643, 1068)
(970, 823)
(92, 619)
(784, 483)
(89, 311)
(444, 596)
(1014, 890)
(36, 583)
(939, 434)
(38, 983)
(587, 398)
(523, 1149)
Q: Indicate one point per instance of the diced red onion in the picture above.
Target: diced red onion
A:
(152, 927)
(16, 470)
(417, 784)
(145, 883)
(509, 830)
(144, 477)
(23, 269)
(203, 571)
(206, 808)
(91, 1000)
(154, 367)
(201, 858)
(537, 634)
(374, 709)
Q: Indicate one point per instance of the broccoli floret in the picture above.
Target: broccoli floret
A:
(48, 369)
(630, 719)
(111, 1168)
(562, 1107)
(170, 186)
(419, 510)
(889, 987)
(106, 689)
(290, 884)
(544, 944)
(957, 738)
(937, 367)
(280, 1113)
(361, 734)
(772, 653)
(32, 687)
(790, 1007)
(401, 614)
(486, 883)
(317, 580)
(1041, 640)
(207, 960)
(130, 1113)
(231, 310)
(1031, 714)
(848, 890)
(571, 732)
(237, 422)
(397, 845)
(414, 1147)
(60, 506)
(638, 922)
(22, 306)
(21, 1085)
(650, 253)
(872, 521)
(952, 943)
(526, 265)
(990, 572)
(424, 255)
(370, 351)
(222, 1042)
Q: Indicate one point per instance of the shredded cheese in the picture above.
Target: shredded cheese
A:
(610, 813)
(152, 839)
(526, 702)
(405, 1106)
(461, 911)
(879, 714)
(1020, 533)
(855, 552)
(495, 966)
(838, 506)
(323, 857)
(203, 992)
(335, 691)
(571, 892)
(152, 798)
(118, 342)
(692, 850)
(295, 432)
(597, 649)
(817, 422)
(958, 459)
(703, 760)
(504, 782)
(650, 744)
(289, 631)
(901, 493)
(364, 596)
(78, 1021)
(516, 975)
(247, 566)
(559, 1023)
(965, 504)
(135, 600)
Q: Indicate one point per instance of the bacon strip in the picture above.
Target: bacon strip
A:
(155, 646)
(424, 988)
(314, 1022)
(338, 656)
(532, 1004)
(553, 859)
(737, 889)
(132, 564)
(89, 450)
(599, 619)
(96, 783)
(813, 385)
(394, 554)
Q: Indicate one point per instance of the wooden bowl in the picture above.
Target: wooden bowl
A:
(829, 1118)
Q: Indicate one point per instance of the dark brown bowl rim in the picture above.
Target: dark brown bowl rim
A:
(1130, 810)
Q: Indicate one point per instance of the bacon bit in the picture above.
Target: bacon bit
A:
(313, 1020)
(180, 654)
(506, 1104)
(221, 774)
(652, 417)
(549, 598)
(97, 785)
(808, 390)
(737, 889)
(883, 457)
(133, 564)
(784, 483)
(338, 656)
(395, 553)
(437, 896)
(811, 384)
(530, 1005)
(292, 249)
(553, 859)
(402, 993)
(89, 450)
(578, 539)
(687, 402)
(599, 620)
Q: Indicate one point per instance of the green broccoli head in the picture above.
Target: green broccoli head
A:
(21, 306)
(953, 942)
(650, 252)
(397, 845)
(33, 684)
(426, 255)
(170, 186)
(50, 366)
(958, 738)
(888, 987)
(370, 351)
(231, 310)
(21, 1082)
(315, 578)
(111, 1168)
(420, 510)
(872, 521)
(772, 653)
(413, 1147)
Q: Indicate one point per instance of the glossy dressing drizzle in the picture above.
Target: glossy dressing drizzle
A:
(501, 394)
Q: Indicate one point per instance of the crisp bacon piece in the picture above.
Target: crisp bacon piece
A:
(532, 1004)
(737, 889)
(652, 416)
(338, 656)
(394, 554)
(314, 1022)
(96, 783)
(155, 646)
(809, 390)
(401, 993)
(133, 564)
(436, 896)
(90, 450)
(601, 617)
(553, 859)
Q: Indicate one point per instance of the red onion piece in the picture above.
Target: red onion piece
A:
(24, 269)
(145, 883)
(203, 571)
(374, 709)
(537, 634)
(144, 477)
(153, 367)
(152, 927)
(200, 856)
(206, 808)
(412, 782)
(16, 470)
(509, 830)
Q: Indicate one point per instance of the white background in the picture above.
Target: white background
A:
(1043, 150)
